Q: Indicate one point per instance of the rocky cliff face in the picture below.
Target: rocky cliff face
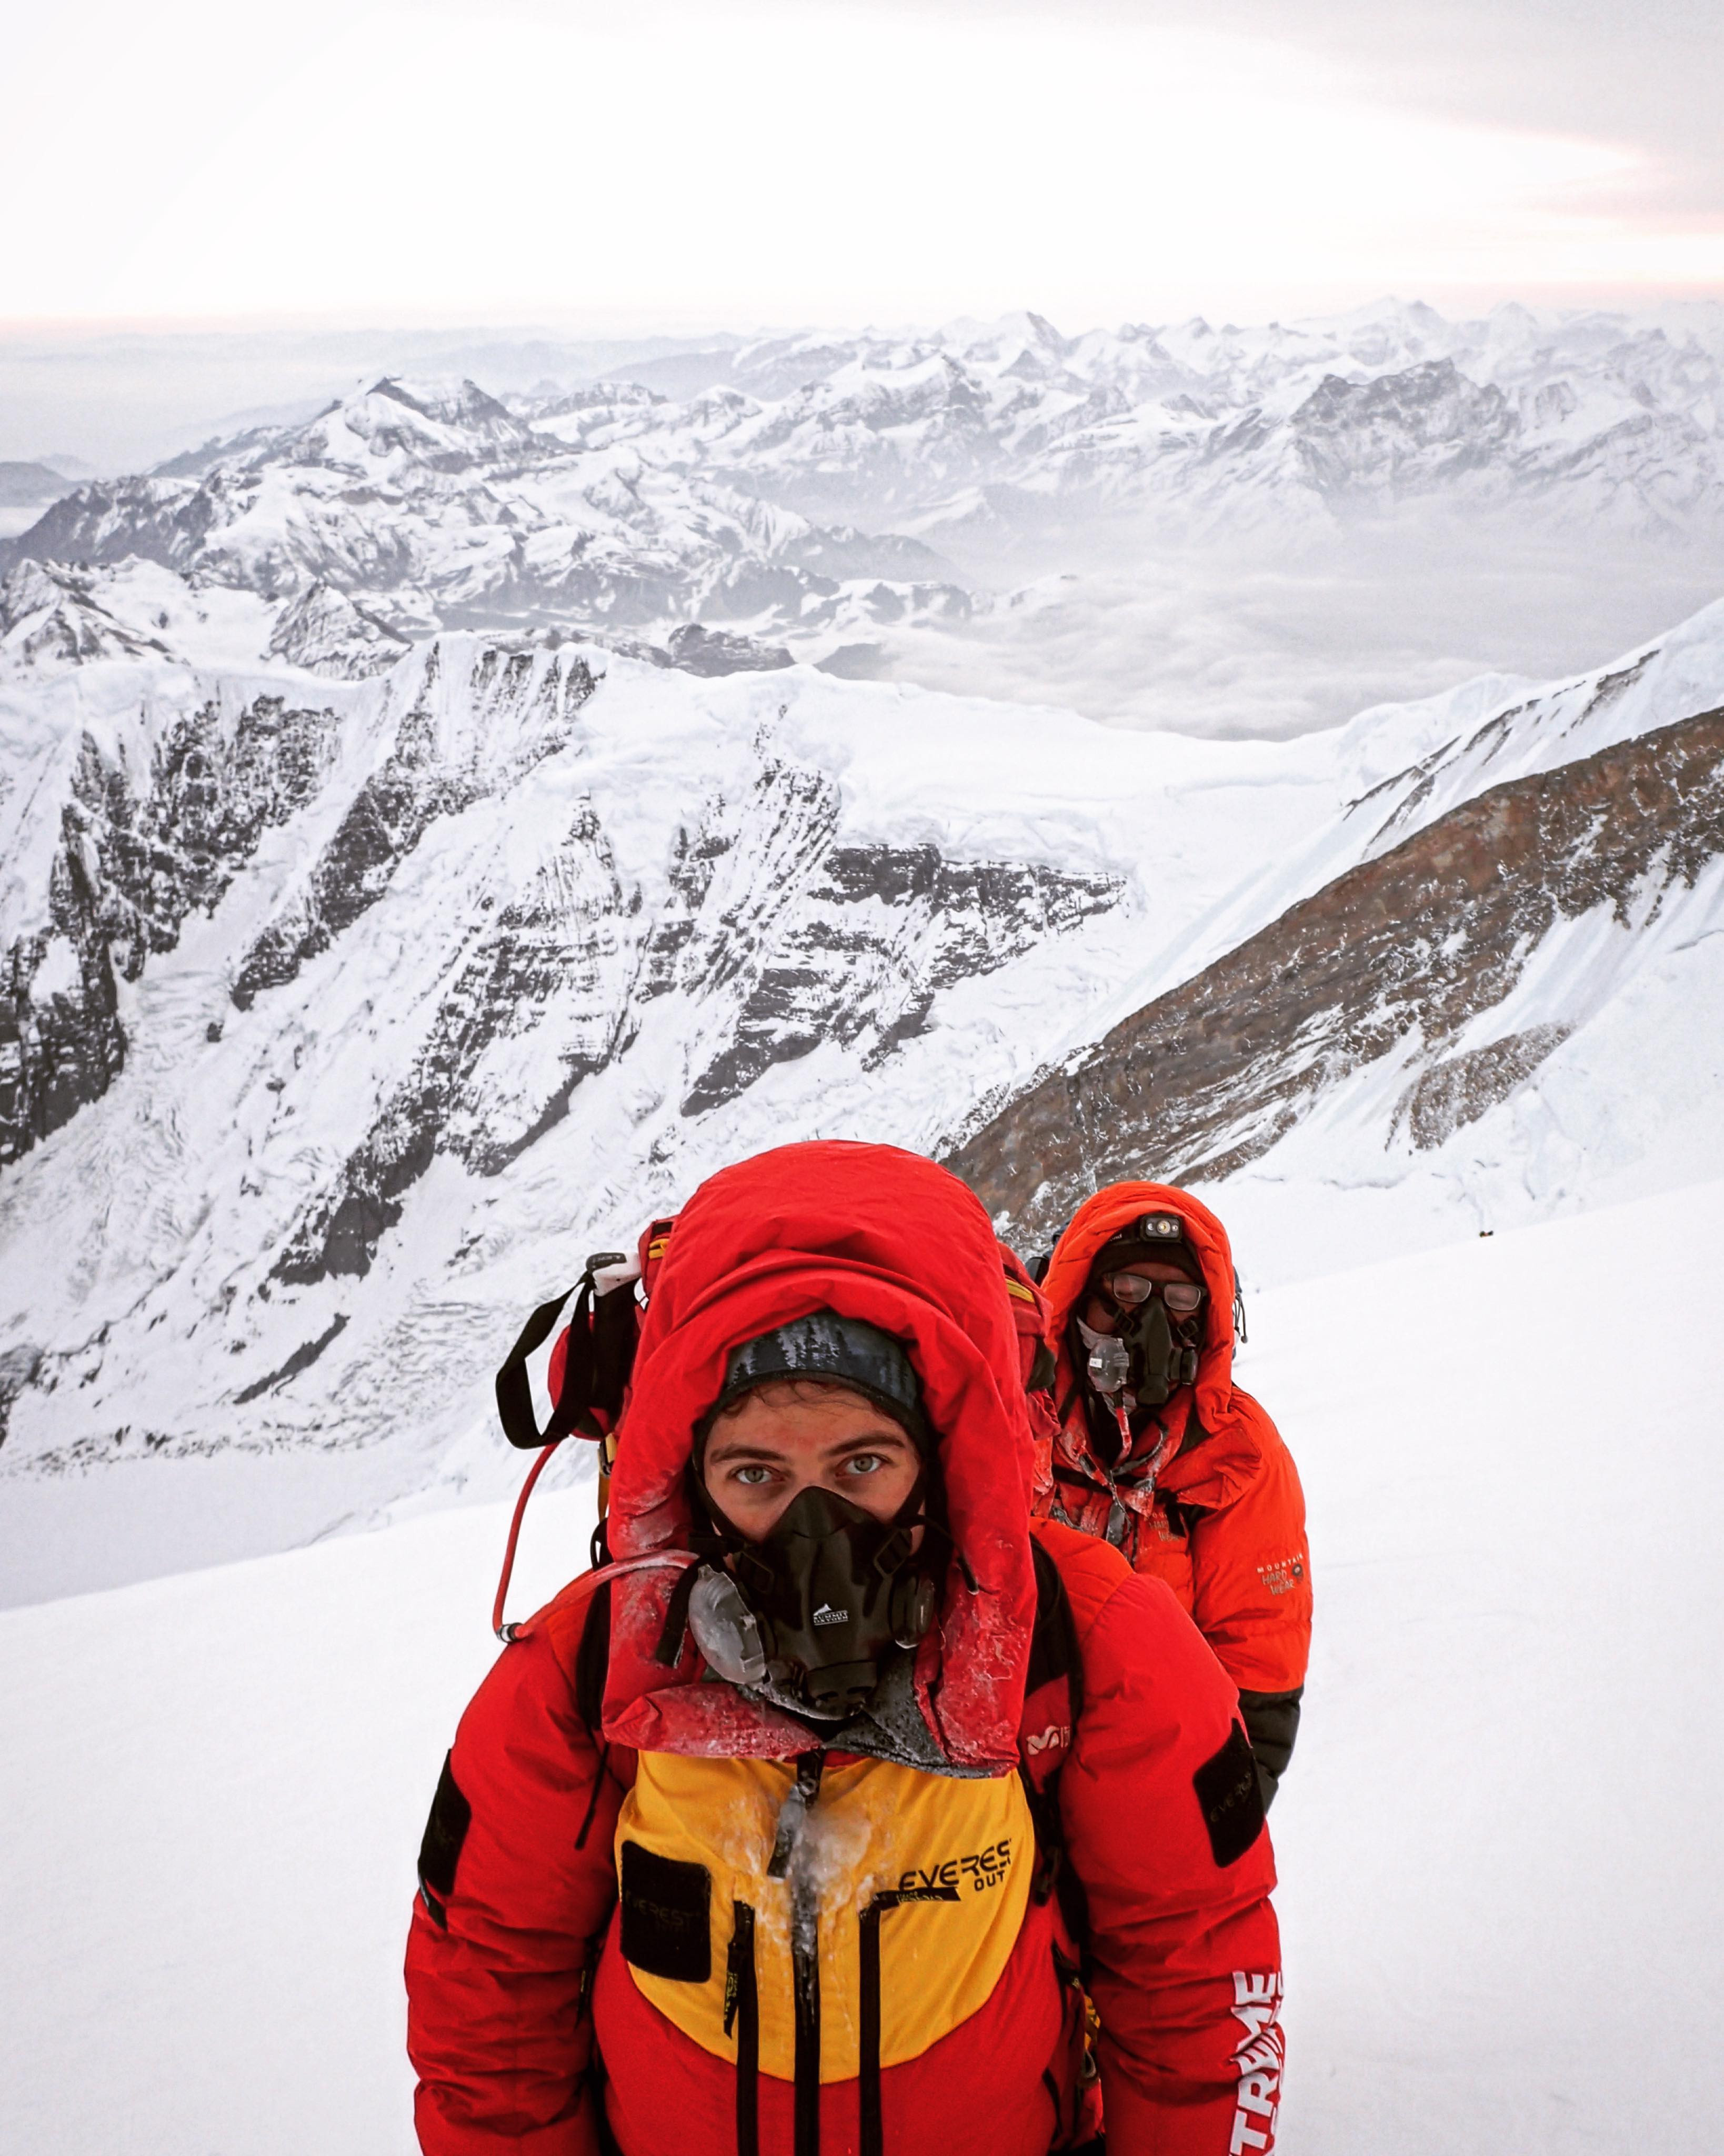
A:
(323, 1007)
(1397, 964)
(776, 932)
(140, 848)
(418, 781)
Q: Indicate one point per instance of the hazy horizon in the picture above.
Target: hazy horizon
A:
(797, 159)
(119, 398)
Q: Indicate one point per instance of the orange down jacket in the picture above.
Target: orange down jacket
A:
(1208, 1498)
(601, 1956)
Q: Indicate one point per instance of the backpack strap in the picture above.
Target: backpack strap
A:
(593, 1662)
(590, 1364)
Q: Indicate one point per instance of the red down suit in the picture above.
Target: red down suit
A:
(1207, 1498)
(600, 1957)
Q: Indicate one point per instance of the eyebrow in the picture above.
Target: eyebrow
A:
(743, 1447)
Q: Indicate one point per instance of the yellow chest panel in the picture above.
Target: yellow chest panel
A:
(921, 1877)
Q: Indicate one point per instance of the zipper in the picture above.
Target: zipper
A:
(799, 1801)
(872, 2141)
(742, 2009)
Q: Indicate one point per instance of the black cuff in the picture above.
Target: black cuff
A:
(1271, 1722)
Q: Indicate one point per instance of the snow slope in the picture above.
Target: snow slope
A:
(1510, 1003)
(1502, 1891)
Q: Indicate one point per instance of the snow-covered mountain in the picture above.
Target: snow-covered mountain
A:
(1295, 424)
(816, 491)
(343, 1019)
(409, 508)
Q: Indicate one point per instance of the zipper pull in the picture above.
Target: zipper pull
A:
(798, 1799)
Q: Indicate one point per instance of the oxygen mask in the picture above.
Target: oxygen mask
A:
(1152, 1349)
(1159, 1358)
(816, 1608)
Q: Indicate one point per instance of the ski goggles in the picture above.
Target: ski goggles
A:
(1133, 1290)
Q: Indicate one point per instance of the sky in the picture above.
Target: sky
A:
(675, 167)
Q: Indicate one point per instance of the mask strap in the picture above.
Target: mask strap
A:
(913, 1512)
(669, 1650)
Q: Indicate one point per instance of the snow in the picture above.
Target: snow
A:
(146, 1227)
(1504, 1889)
(58, 975)
(219, 1781)
(1501, 1891)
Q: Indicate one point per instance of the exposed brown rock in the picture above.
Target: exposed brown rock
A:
(1459, 1090)
(1412, 946)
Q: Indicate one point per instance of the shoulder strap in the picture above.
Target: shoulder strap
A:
(591, 1364)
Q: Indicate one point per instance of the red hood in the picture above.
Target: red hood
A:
(1102, 1216)
(871, 1232)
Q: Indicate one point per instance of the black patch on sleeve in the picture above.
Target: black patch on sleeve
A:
(445, 1830)
(1229, 1798)
(667, 1929)
(592, 1660)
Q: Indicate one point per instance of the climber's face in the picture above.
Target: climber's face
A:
(797, 1434)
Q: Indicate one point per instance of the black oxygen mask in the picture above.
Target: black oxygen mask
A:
(816, 1608)
(1143, 1362)
(1159, 1359)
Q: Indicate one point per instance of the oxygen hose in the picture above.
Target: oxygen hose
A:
(507, 1633)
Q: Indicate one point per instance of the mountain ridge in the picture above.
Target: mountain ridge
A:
(814, 489)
